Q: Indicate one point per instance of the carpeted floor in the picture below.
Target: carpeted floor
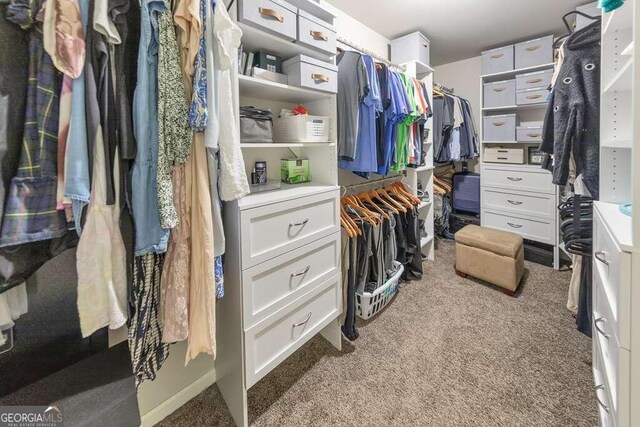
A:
(446, 352)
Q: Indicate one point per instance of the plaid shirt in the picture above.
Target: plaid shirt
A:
(30, 214)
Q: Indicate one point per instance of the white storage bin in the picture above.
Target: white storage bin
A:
(305, 71)
(500, 94)
(497, 60)
(368, 304)
(537, 80)
(412, 47)
(531, 96)
(500, 128)
(273, 16)
(529, 133)
(504, 155)
(534, 52)
(316, 33)
(301, 128)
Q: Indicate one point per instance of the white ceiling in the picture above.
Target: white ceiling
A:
(460, 29)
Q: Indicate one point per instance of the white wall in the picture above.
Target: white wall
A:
(464, 77)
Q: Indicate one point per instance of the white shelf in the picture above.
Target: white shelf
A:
(513, 142)
(421, 168)
(421, 67)
(254, 40)
(506, 75)
(517, 107)
(616, 144)
(424, 205)
(287, 144)
(286, 192)
(628, 51)
(620, 19)
(622, 80)
(253, 87)
(425, 241)
(619, 224)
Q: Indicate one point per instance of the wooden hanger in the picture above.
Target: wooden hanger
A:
(367, 197)
(400, 186)
(377, 196)
(394, 190)
(368, 215)
(398, 205)
(350, 222)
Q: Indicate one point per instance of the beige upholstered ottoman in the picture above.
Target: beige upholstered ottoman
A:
(491, 255)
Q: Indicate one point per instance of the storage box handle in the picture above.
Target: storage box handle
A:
(320, 77)
(534, 135)
(496, 56)
(515, 202)
(499, 89)
(534, 96)
(272, 13)
(319, 35)
(534, 81)
(532, 48)
(512, 225)
(499, 123)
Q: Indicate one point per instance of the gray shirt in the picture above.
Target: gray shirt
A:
(352, 88)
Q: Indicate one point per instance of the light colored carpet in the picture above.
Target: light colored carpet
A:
(446, 352)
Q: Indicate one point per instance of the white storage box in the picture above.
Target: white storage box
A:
(316, 33)
(305, 71)
(302, 128)
(500, 128)
(531, 96)
(537, 80)
(500, 94)
(529, 133)
(504, 155)
(273, 16)
(534, 52)
(368, 304)
(497, 60)
(412, 47)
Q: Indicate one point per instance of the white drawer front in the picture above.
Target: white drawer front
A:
(268, 345)
(522, 180)
(539, 230)
(278, 228)
(270, 286)
(613, 268)
(519, 203)
(605, 406)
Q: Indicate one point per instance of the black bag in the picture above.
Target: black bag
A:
(256, 125)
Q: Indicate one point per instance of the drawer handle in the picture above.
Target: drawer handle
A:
(515, 202)
(496, 56)
(503, 151)
(605, 407)
(602, 257)
(534, 81)
(500, 89)
(503, 158)
(597, 322)
(303, 272)
(299, 224)
(499, 123)
(272, 13)
(534, 96)
(532, 48)
(304, 322)
(319, 35)
(425, 45)
(512, 225)
(320, 77)
(534, 135)
(510, 178)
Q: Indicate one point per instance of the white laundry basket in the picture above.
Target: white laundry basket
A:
(302, 128)
(368, 304)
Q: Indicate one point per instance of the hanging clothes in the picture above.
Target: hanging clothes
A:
(454, 131)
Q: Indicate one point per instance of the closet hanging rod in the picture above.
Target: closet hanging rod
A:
(370, 53)
(444, 88)
(353, 189)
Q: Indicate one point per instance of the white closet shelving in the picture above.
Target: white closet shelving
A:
(518, 197)
(282, 263)
(616, 236)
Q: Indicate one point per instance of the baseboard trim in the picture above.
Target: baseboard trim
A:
(170, 405)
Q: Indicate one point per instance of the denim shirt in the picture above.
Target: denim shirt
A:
(77, 181)
(150, 236)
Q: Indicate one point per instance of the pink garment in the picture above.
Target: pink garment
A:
(70, 47)
(63, 135)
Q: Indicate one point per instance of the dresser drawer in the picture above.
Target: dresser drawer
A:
(543, 206)
(315, 33)
(273, 340)
(539, 230)
(270, 286)
(602, 390)
(273, 16)
(523, 180)
(278, 228)
(612, 269)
